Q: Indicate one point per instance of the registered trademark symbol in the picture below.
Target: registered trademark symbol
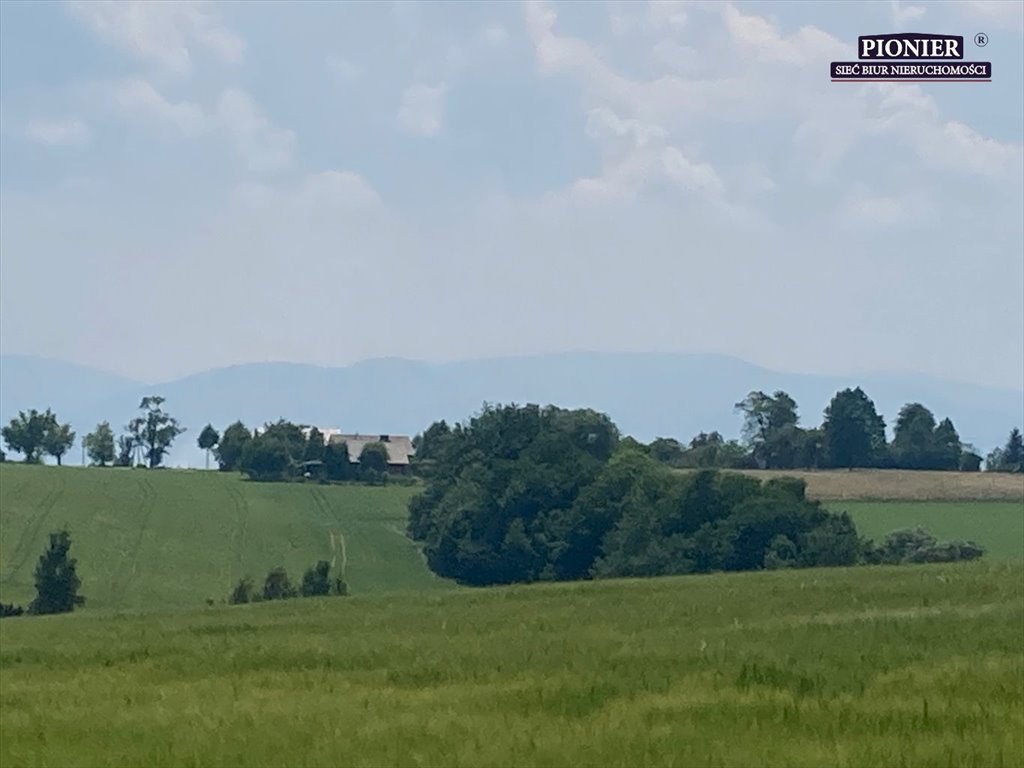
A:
(981, 39)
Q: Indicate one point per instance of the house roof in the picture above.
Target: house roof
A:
(399, 446)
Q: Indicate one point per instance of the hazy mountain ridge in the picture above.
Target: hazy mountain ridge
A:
(647, 395)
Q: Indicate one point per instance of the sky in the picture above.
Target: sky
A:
(186, 185)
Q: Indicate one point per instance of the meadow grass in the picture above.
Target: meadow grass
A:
(901, 484)
(995, 525)
(881, 666)
(172, 538)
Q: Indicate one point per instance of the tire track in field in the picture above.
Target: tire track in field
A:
(324, 508)
(147, 502)
(242, 512)
(23, 551)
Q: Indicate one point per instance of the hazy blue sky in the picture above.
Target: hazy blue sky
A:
(187, 185)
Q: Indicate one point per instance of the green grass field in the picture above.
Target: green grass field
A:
(172, 538)
(898, 666)
(997, 526)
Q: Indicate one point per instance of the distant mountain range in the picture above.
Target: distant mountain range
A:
(647, 395)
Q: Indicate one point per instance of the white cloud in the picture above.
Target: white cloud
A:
(342, 67)
(422, 109)
(164, 33)
(262, 145)
(862, 208)
(494, 34)
(67, 131)
(1004, 14)
(903, 14)
(137, 99)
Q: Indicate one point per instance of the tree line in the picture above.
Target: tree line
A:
(852, 435)
(524, 493)
(316, 582)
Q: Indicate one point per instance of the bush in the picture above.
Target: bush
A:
(316, 581)
(916, 545)
(244, 592)
(8, 610)
(277, 586)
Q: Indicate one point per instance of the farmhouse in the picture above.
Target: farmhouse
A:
(399, 447)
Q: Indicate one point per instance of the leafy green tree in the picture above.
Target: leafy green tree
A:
(667, 450)
(99, 444)
(244, 592)
(770, 428)
(58, 440)
(208, 440)
(27, 433)
(913, 444)
(374, 458)
(154, 431)
(316, 582)
(231, 446)
(267, 458)
(854, 432)
(9, 610)
(336, 461)
(57, 581)
(314, 450)
(1013, 453)
(125, 451)
(277, 586)
(947, 447)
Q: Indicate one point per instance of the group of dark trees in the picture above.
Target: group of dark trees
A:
(524, 493)
(56, 579)
(316, 582)
(852, 434)
(284, 451)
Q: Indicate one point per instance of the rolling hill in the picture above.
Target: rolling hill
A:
(647, 395)
(158, 539)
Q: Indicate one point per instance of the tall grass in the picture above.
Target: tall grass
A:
(915, 665)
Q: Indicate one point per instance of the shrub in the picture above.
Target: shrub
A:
(316, 581)
(9, 609)
(277, 586)
(244, 592)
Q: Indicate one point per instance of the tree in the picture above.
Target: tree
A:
(58, 440)
(244, 592)
(266, 458)
(947, 447)
(231, 446)
(277, 586)
(99, 444)
(316, 582)
(57, 581)
(27, 433)
(770, 428)
(374, 458)
(154, 431)
(854, 432)
(314, 450)
(1013, 453)
(336, 461)
(208, 440)
(125, 451)
(913, 444)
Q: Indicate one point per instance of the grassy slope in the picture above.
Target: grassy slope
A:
(997, 526)
(903, 485)
(172, 538)
(917, 665)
